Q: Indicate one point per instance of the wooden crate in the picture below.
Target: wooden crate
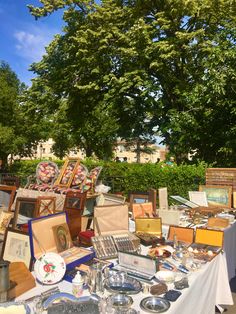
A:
(221, 176)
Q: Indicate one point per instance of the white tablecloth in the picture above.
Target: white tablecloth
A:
(230, 249)
(208, 287)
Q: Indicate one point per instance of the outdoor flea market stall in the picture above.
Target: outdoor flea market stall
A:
(70, 247)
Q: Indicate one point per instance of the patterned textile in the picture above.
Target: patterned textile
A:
(46, 172)
(83, 180)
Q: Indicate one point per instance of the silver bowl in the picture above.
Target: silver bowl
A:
(124, 285)
(154, 304)
(120, 300)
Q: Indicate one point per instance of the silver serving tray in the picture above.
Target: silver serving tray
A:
(154, 304)
(126, 285)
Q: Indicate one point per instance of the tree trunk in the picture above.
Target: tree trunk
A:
(138, 151)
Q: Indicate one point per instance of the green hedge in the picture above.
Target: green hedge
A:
(125, 177)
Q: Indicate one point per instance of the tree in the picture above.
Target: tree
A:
(88, 66)
(18, 130)
(164, 64)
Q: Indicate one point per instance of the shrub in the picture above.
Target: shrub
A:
(125, 177)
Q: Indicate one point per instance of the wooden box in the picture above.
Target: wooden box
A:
(217, 223)
(42, 240)
(208, 243)
(148, 230)
(183, 234)
(22, 279)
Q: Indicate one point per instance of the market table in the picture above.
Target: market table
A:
(208, 287)
(229, 247)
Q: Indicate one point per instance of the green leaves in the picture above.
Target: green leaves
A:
(126, 68)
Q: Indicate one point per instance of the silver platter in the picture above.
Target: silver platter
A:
(127, 285)
(155, 304)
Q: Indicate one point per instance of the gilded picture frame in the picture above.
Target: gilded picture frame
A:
(5, 218)
(62, 237)
(67, 173)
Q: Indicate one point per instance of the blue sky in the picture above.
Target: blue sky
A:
(23, 39)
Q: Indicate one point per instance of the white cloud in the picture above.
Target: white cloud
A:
(30, 44)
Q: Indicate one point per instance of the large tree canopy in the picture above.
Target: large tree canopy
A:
(126, 68)
(20, 126)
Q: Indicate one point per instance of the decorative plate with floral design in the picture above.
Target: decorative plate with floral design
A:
(50, 268)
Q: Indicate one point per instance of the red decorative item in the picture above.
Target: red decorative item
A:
(85, 237)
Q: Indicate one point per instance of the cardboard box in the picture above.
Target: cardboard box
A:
(42, 240)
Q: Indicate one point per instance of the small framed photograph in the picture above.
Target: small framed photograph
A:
(5, 218)
(16, 247)
(139, 197)
(26, 208)
(75, 200)
(67, 173)
(62, 237)
(7, 195)
(218, 195)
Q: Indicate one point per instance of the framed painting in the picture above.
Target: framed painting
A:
(5, 218)
(26, 208)
(75, 200)
(62, 237)
(67, 173)
(16, 247)
(218, 195)
(7, 195)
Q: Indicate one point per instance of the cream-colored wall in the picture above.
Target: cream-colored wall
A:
(44, 150)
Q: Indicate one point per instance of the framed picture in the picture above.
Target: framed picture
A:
(7, 195)
(144, 197)
(46, 205)
(62, 237)
(198, 197)
(109, 199)
(218, 195)
(67, 173)
(75, 200)
(26, 208)
(5, 218)
(138, 197)
(16, 247)
(184, 201)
